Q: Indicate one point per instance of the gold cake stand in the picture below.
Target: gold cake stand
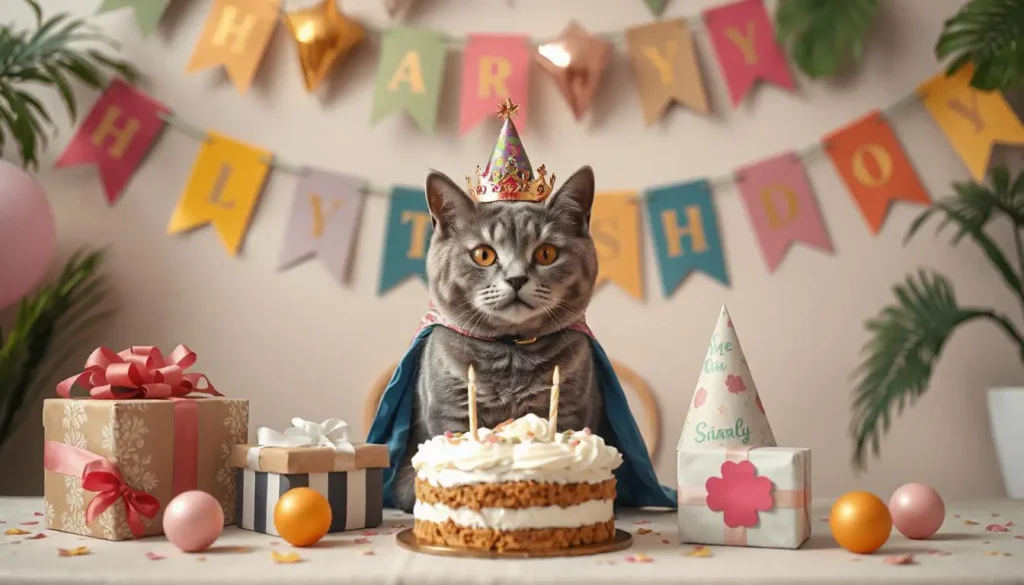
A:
(407, 540)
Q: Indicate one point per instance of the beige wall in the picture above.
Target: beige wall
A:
(297, 344)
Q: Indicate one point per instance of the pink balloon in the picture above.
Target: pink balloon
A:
(917, 510)
(27, 233)
(193, 521)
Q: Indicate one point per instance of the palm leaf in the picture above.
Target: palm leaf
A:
(906, 341)
(989, 35)
(824, 35)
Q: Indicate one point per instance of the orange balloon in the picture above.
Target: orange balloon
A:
(860, 522)
(302, 516)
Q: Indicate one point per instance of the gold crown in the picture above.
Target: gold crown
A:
(502, 179)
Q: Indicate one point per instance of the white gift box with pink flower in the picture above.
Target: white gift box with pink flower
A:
(736, 487)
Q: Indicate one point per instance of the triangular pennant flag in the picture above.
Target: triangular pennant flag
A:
(665, 67)
(494, 68)
(657, 7)
(725, 410)
(147, 12)
(407, 238)
(236, 35)
(615, 227)
(409, 75)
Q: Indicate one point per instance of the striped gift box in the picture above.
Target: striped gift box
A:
(356, 497)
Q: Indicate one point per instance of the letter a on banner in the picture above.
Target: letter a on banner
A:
(615, 227)
(973, 120)
(407, 238)
(782, 207)
(324, 220)
(236, 35)
(117, 133)
(869, 158)
(494, 68)
(225, 185)
(409, 75)
(684, 227)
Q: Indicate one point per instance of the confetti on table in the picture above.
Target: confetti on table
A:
(939, 553)
(31, 523)
(698, 552)
(1019, 537)
(16, 532)
(362, 541)
(643, 531)
(285, 558)
(36, 536)
(73, 552)
(639, 558)
(154, 556)
(970, 523)
(369, 533)
(997, 553)
(997, 528)
(665, 541)
(641, 521)
(37, 513)
(899, 560)
(366, 553)
(201, 559)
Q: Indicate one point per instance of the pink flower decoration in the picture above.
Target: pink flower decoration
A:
(759, 405)
(700, 398)
(735, 384)
(740, 493)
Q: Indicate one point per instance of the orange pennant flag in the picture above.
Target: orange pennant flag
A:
(665, 67)
(236, 35)
(869, 158)
(973, 120)
(615, 227)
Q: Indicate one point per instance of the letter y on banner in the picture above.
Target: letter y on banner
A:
(407, 238)
(324, 220)
(117, 133)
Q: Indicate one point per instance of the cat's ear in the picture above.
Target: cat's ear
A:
(447, 202)
(575, 198)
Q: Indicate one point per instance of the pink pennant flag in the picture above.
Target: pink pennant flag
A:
(744, 42)
(782, 207)
(494, 67)
(116, 135)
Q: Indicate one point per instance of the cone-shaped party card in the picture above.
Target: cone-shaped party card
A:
(726, 410)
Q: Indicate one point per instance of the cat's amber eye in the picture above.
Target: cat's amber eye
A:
(545, 254)
(484, 256)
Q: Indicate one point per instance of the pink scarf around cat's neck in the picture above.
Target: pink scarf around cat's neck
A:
(434, 317)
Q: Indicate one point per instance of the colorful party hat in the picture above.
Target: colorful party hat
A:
(508, 175)
(725, 410)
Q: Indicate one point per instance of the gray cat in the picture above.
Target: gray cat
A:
(518, 273)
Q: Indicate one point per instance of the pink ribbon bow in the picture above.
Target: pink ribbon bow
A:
(138, 372)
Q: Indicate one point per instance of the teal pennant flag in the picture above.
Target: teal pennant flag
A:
(684, 227)
(147, 12)
(407, 238)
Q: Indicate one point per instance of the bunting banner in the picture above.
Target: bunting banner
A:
(782, 207)
(876, 171)
(494, 68)
(409, 76)
(116, 135)
(147, 12)
(236, 35)
(615, 228)
(684, 228)
(225, 185)
(323, 221)
(744, 43)
(665, 67)
(973, 120)
(407, 238)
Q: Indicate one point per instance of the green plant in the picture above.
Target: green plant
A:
(50, 55)
(908, 336)
(989, 34)
(47, 329)
(824, 35)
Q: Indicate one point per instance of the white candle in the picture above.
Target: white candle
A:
(553, 411)
(472, 403)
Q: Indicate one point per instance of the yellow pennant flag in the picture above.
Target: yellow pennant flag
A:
(236, 35)
(225, 185)
(615, 227)
(973, 120)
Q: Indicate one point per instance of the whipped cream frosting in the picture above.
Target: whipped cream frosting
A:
(523, 449)
(589, 512)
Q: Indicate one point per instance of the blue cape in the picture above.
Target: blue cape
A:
(637, 483)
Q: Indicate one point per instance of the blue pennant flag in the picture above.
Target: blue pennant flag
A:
(407, 238)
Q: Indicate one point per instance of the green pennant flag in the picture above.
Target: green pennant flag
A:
(656, 6)
(147, 12)
(409, 75)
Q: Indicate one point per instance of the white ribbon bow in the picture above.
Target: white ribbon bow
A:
(333, 432)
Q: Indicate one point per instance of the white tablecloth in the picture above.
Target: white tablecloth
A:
(981, 542)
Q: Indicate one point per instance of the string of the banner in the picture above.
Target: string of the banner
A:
(805, 154)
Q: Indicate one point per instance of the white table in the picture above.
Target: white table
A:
(963, 552)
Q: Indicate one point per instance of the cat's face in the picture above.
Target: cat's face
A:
(512, 268)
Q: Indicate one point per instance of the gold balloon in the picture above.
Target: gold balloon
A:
(302, 516)
(323, 35)
(860, 522)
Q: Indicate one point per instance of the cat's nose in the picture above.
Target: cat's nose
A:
(516, 282)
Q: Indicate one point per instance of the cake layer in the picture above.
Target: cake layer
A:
(536, 517)
(519, 494)
(450, 534)
(457, 477)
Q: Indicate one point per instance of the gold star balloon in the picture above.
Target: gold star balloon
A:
(323, 35)
(575, 61)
